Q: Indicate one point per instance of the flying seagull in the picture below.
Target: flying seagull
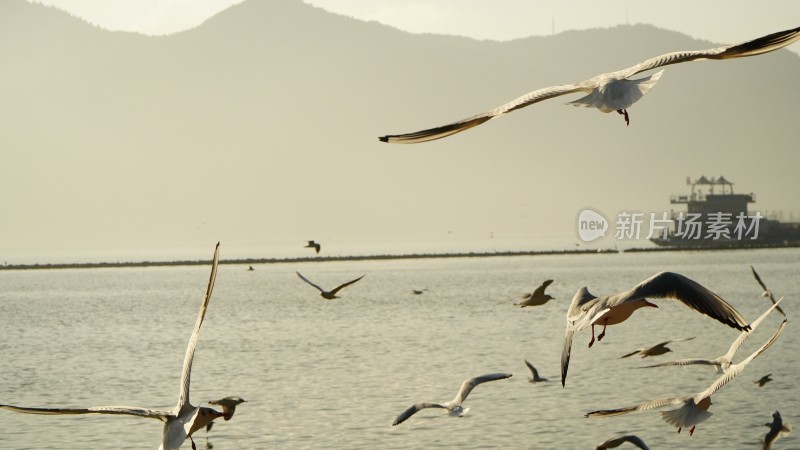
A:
(767, 293)
(776, 429)
(228, 405)
(453, 407)
(722, 363)
(329, 295)
(763, 380)
(180, 422)
(314, 245)
(656, 350)
(694, 408)
(538, 297)
(613, 91)
(617, 441)
(535, 378)
(586, 310)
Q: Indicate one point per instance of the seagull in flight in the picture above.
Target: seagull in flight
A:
(763, 380)
(613, 91)
(694, 408)
(767, 293)
(658, 349)
(535, 378)
(228, 405)
(329, 295)
(314, 245)
(586, 310)
(777, 428)
(538, 297)
(722, 363)
(617, 441)
(453, 407)
(179, 422)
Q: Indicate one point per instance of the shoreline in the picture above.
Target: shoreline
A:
(251, 261)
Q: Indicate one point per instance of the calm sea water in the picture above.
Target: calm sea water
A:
(335, 374)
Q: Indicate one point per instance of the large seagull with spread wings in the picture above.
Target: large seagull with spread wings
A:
(613, 91)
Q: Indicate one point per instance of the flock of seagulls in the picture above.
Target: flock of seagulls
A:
(585, 311)
(613, 91)
(694, 408)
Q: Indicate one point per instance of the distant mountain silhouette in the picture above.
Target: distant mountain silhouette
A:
(263, 121)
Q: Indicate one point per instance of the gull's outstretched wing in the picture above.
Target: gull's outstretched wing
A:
(119, 410)
(689, 292)
(640, 407)
(469, 384)
(540, 290)
(534, 372)
(737, 343)
(753, 47)
(685, 362)
(736, 368)
(309, 281)
(465, 124)
(340, 287)
(413, 410)
(186, 375)
(577, 309)
(617, 441)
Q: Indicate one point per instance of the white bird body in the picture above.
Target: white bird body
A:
(694, 408)
(179, 422)
(454, 407)
(586, 310)
(613, 91)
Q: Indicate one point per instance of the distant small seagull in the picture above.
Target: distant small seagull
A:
(418, 291)
(777, 428)
(453, 407)
(767, 293)
(250, 268)
(181, 421)
(314, 245)
(658, 349)
(694, 408)
(228, 405)
(617, 441)
(535, 378)
(329, 295)
(763, 380)
(722, 363)
(538, 297)
(607, 92)
(586, 310)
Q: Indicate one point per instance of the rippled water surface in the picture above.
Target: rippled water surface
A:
(335, 374)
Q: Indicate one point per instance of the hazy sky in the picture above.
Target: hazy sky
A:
(723, 21)
(260, 215)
